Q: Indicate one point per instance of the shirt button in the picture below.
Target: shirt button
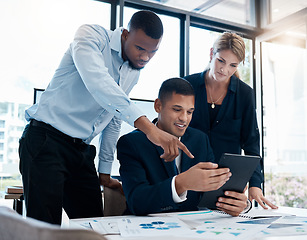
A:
(127, 117)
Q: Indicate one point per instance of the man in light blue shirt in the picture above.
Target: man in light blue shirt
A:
(87, 95)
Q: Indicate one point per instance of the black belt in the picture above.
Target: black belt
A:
(48, 127)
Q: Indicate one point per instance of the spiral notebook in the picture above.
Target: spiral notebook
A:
(256, 214)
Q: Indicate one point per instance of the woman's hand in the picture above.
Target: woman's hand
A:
(256, 193)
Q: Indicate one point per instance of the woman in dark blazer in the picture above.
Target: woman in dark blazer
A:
(225, 107)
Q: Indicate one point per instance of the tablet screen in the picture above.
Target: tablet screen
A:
(241, 168)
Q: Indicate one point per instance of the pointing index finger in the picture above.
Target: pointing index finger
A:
(185, 149)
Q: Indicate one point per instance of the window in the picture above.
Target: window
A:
(37, 35)
(201, 41)
(3, 107)
(284, 119)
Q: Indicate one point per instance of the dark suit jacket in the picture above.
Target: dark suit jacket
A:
(147, 178)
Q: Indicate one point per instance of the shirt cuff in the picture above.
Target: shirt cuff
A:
(176, 197)
(131, 114)
(105, 167)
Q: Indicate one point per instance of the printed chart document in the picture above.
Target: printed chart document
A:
(102, 225)
(216, 225)
(152, 226)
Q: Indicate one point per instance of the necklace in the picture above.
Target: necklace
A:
(214, 102)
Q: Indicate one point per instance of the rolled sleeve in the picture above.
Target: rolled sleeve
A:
(105, 166)
(108, 140)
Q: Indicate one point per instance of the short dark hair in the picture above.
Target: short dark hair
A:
(175, 85)
(148, 21)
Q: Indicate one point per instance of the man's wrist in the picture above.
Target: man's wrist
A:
(104, 179)
(179, 184)
(143, 124)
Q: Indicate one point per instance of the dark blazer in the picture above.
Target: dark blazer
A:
(235, 127)
(147, 178)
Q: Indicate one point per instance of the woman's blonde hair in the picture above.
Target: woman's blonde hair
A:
(233, 42)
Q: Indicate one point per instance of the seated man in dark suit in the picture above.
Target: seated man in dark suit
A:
(152, 185)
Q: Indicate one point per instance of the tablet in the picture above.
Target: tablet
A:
(241, 167)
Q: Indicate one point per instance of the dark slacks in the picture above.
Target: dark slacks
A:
(58, 172)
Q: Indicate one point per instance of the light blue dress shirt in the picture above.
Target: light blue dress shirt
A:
(88, 93)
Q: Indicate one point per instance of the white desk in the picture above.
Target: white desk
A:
(286, 210)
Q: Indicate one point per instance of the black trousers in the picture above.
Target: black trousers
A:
(57, 172)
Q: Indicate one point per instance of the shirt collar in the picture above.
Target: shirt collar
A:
(233, 83)
(115, 41)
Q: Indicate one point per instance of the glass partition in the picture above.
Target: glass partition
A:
(284, 123)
